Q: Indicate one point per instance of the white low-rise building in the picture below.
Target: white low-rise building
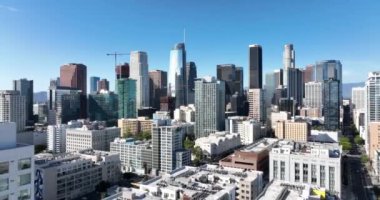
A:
(208, 182)
(324, 136)
(278, 116)
(90, 137)
(56, 136)
(249, 130)
(316, 164)
(71, 175)
(278, 189)
(218, 143)
(135, 156)
(16, 165)
(185, 113)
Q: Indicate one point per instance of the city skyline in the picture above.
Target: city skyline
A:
(84, 33)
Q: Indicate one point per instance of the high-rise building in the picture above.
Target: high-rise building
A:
(359, 97)
(191, 75)
(16, 165)
(122, 71)
(25, 87)
(103, 84)
(373, 96)
(331, 104)
(103, 106)
(295, 84)
(94, 84)
(139, 72)
(256, 104)
(209, 104)
(75, 76)
(289, 61)
(171, 142)
(317, 164)
(167, 141)
(255, 66)
(270, 87)
(63, 105)
(126, 90)
(324, 70)
(233, 78)
(13, 108)
(374, 135)
(308, 74)
(279, 78)
(158, 81)
(177, 74)
(313, 95)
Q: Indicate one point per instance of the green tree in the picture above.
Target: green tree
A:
(364, 159)
(358, 140)
(345, 142)
(188, 144)
(198, 153)
(146, 135)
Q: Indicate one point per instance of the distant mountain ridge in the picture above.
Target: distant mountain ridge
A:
(347, 88)
(40, 97)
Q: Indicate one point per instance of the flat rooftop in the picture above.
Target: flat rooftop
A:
(202, 182)
(260, 145)
(331, 150)
(47, 160)
(284, 191)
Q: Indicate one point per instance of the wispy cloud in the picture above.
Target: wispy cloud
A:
(8, 8)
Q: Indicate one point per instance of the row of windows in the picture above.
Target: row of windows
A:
(22, 165)
(23, 179)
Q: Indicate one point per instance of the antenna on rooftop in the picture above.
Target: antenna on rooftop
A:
(184, 35)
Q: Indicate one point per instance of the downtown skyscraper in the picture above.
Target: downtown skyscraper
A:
(233, 78)
(373, 97)
(94, 84)
(74, 76)
(326, 69)
(25, 87)
(289, 61)
(13, 108)
(139, 72)
(210, 106)
(331, 104)
(255, 66)
(158, 81)
(177, 75)
(191, 75)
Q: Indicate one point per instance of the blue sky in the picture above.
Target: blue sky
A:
(37, 37)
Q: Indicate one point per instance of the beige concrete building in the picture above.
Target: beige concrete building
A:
(256, 104)
(292, 130)
(311, 112)
(374, 140)
(134, 125)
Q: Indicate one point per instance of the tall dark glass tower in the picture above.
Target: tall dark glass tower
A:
(331, 103)
(255, 66)
(190, 76)
(233, 78)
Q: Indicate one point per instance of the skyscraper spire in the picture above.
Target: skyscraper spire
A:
(184, 35)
